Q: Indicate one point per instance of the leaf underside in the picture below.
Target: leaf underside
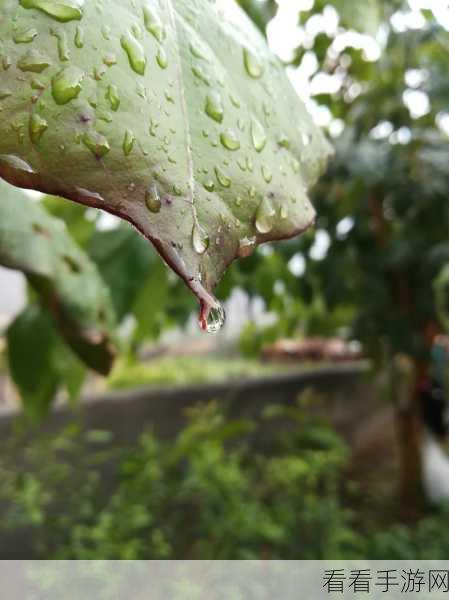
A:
(172, 114)
(66, 280)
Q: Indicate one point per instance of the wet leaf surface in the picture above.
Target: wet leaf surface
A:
(171, 114)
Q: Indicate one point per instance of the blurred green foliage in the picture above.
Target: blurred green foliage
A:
(130, 373)
(211, 493)
(207, 494)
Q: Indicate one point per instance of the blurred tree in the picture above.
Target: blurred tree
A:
(382, 210)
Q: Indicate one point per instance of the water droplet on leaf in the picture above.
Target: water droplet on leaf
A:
(113, 97)
(26, 36)
(97, 143)
(266, 173)
(153, 199)
(200, 239)
(66, 85)
(214, 107)
(223, 179)
(135, 53)
(153, 23)
(265, 215)
(34, 62)
(61, 10)
(230, 140)
(128, 142)
(253, 66)
(38, 126)
(258, 135)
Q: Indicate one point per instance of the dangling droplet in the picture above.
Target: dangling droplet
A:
(214, 107)
(230, 140)
(200, 239)
(265, 216)
(153, 199)
(258, 135)
(212, 317)
(253, 66)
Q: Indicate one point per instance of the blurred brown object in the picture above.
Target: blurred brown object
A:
(313, 349)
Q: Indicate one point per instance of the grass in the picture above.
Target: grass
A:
(184, 370)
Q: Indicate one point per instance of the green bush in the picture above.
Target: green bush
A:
(207, 495)
(223, 489)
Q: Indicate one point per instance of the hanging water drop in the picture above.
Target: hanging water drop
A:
(212, 317)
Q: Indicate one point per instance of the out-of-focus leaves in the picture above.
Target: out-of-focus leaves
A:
(66, 281)
(441, 290)
(40, 362)
(124, 261)
(362, 16)
(259, 11)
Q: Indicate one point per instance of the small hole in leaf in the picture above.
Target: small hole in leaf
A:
(71, 263)
(41, 230)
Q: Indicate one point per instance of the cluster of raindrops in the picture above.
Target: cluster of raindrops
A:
(245, 140)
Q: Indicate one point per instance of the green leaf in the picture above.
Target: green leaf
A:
(172, 114)
(40, 361)
(362, 16)
(66, 280)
